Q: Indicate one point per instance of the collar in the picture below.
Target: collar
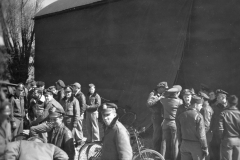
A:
(77, 92)
(113, 123)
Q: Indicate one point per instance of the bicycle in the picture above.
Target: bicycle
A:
(90, 150)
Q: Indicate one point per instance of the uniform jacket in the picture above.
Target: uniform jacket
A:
(170, 105)
(154, 105)
(93, 102)
(116, 143)
(207, 114)
(30, 150)
(5, 136)
(47, 106)
(182, 108)
(62, 137)
(191, 127)
(82, 101)
(36, 103)
(17, 107)
(229, 123)
(217, 109)
(71, 108)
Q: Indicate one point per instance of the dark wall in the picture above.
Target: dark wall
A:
(213, 51)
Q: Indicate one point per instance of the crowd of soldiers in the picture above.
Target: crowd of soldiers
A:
(204, 125)
(197, 126)
(55, 116)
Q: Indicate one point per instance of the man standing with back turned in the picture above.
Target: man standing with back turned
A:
(155, 106)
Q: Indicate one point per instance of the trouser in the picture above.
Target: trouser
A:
(19, 127)
(169, 129)
(209, 136)
(79, 130)
(215, 146)
(41, 130)
(92, 126)
(157, 120)
(230, 149)
(191, 150)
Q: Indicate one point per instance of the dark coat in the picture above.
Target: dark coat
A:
(153, 104)
(116, 143)
(217, 109)
(63, 138)
(30, 150)
(229, 123)
(93, 102)
(191, 127)
(207, 114)
(82, 101)
(17, 107)
(72, 109)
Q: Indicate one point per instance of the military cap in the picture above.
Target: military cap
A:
(108, 108)
(55, 112)
(220, 91)
(197, 100)
(68, 89)
(40, 83)
(232, 100)
(203, 95)
(76, 84)
(173, 90)
(60, 83)
(91, 85)
(162, 84)
(186, 92)
(204, 87)
(20, 87)
(178, 87)
(51, 88)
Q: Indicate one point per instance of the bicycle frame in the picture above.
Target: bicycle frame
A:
(139, 144)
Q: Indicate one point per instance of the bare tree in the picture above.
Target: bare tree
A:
(18, 34)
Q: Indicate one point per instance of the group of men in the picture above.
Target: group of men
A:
(55, 116)
(204, 125)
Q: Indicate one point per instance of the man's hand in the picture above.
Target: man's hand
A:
(205, 152)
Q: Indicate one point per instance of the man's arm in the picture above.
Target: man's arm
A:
(123, 145)
(41, 128)
(76, 113)
(96, 104)
(206, 117)
(59, 154)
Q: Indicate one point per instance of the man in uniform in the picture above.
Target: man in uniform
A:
(58, 133)
(18, 110)
(187, 97)
(60, 87)
(155, 106)
(82, 103)
(191, 132)
(229, 130)
(207, 114)
(5, 126)
(217, 109)
(116, 143)
(170, 104)
(54, 92)
(34, 149)
(92, 105)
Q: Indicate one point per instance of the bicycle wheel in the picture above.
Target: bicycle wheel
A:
(148, 154)
(90, 150)
(128, 119)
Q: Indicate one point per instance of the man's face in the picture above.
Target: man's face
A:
(42, 87)
(54, 91)
(212, 95)
(92, 90)
(48, 97)
(187, 98)
(108, 117)
(19, 92)
(74, 89)
(68, 94)
(161, 90)
(56, 121)
(221, 99)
